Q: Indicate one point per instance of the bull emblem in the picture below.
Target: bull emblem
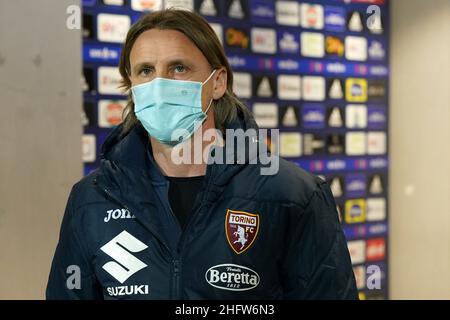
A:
(242, 237)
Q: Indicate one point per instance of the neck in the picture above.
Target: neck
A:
(168, 157)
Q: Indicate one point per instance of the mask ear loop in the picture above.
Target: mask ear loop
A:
(207, 109)
(212, 73)
(210, 102)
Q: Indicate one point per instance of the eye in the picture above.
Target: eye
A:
(179, 68)
(145, 71)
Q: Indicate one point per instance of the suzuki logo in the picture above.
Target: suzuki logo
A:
(125, 264)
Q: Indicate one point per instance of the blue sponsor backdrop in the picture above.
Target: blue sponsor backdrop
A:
(317, 70)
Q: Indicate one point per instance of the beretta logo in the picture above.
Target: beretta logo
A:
(241, 229)
(232, 277)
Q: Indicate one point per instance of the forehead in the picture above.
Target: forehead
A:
(156, 44)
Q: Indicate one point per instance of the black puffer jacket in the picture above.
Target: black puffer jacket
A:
(250, 237)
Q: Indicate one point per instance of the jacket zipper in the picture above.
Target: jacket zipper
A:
(176, 280)
(175, 263)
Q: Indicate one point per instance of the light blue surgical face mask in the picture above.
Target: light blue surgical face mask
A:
(170, 110)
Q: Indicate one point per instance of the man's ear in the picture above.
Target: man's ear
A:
(220, 83)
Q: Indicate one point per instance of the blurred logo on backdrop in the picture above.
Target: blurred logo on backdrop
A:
(287, 13)
(311, 16)
(289, 87)
(376, 209)
(377, 90)
(355, 22)
(262, 12)
(312, 44)
(376, 143)
(377, 117)
(146, 5)
(376, 50)
(376, 249)
(357, 251)
(290, 144)
(355, 185)
(264, 40)
(266, 114)
(356, 90)
(356, 116)
(314, 144)
(264, 86)
(313, 116)
(110, 112)
(236, 9)
(112, 27)
(109, 80)
(288, 42)
(289, 116)
(355, 143)
(355, 210)
(114, 2)
(335, 19)
(179, 4)
(88, 147)
(242, 84)
(313, 88)
(207, 7)
(335, 117)
(334, 46)
(356, 48)
(237, 38)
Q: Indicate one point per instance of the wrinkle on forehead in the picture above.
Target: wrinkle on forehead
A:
(156, 46)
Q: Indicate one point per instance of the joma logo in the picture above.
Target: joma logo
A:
(118, 214)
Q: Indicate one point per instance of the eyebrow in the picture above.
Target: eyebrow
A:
(173, 62)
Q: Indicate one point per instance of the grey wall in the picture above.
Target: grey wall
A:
(40, 137)
(420, 150)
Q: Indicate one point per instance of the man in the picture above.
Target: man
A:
(147, 226)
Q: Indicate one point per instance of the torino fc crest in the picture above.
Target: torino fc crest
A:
(241, 229)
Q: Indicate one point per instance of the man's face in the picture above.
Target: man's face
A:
(170, 54)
